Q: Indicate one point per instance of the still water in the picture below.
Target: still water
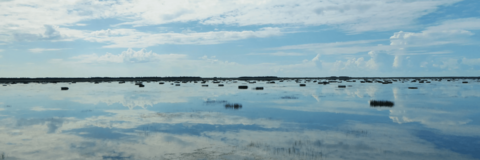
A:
(439, 120)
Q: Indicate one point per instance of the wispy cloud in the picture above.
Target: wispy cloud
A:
(38, 108)
(40, 50)
(130, 38)
(348, 47)
(278, 54)
(44, 21)
(129, 55)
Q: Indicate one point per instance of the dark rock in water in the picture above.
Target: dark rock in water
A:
(161, 83)
(141, 85)
(220, 85)
(464, 82)
(303, 85)
(271, 82)
(258, 88)
(243, 87)
(216, 82)
(362, 81)
(342, 86)
(374, 103)
(233, 106)
(324, 83)
(412, 87)
(64, 88)
(178, 84)
(204, 85)
(289, 97)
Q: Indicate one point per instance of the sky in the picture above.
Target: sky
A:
(228, 38)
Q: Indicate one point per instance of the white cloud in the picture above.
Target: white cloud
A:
(471, 62)
(38, 108)
(455, 31)
(130, 38)
(127, 56)
(352, 15)
(348, 47)
(32, 20)
(40, 50)
(447, 63)
(279, 54)
(403, 45)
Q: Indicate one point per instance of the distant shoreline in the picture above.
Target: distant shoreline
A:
(107, 79)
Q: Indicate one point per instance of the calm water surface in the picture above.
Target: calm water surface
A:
(439, 120)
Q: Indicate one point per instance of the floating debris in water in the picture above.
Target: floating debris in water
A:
(374, 103)
(303, 85)
(464, 82)
(141, 85)
(324, 83)
(258, 88)
(161, 83)
(342, 86)
(412, 87)
(204, 85)
(64, 88)
(233, 106)
(289, 97)
(242, 87)
(178, 84)
(220, 85)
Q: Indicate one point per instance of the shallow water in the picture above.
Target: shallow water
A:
(439, 120)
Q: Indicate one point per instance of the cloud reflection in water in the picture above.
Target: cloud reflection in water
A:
(166, 122)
